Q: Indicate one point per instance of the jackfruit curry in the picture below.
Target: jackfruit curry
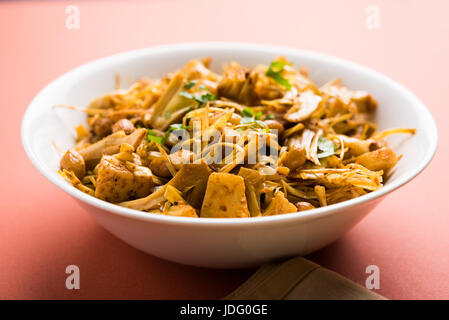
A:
(244, 143)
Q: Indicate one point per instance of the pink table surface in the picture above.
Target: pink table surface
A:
(42, 230)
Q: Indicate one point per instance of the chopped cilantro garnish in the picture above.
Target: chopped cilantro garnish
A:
(253, 119)
(189, 84)
(326, 146)
(270, 116)
(208, 97)
(248, 112)
(202, 99)
(152, 136)
(275, 72)
(248, 116)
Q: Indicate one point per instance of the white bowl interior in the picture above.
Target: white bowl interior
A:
(397, 107)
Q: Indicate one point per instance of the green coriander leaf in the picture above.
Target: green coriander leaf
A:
(152, 136)
(270, 117)
(208, 97)
(280, 79)
(204, 98)
(277, 66)
(248, 112)
(189, 84)
(254, 119)
(151, 132)
(275, 72)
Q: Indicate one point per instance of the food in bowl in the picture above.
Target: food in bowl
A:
(245, 143)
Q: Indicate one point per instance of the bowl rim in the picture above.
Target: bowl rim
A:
(230, 222)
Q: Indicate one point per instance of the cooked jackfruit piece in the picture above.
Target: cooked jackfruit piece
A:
(279, 205)
(225, 197)
(119, 181)
(304, 106)
(236, 84)
(364, 101)
(173, 195)
(199, 69)
(111, 144)
(191, 182)
(181, 210)
(73, 179)
(265, 87)
(171, 106)
(253, 189)
(139, 95)
(294, 158)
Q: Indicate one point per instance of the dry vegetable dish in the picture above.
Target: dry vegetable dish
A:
(245, 143)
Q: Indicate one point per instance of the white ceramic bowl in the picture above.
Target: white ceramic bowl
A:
(224, 243)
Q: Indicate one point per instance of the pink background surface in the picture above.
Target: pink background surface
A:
(42, 230)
